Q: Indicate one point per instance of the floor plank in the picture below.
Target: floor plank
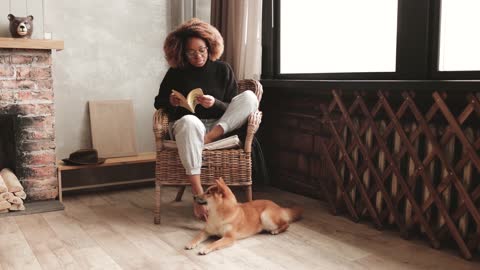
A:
(47, 247)
(15, 253)
(115, 230)
(86, 251)
(108, 238)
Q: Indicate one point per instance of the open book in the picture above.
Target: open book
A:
(189, 102)
(231, 142)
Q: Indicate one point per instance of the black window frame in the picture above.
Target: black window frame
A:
(418, 32)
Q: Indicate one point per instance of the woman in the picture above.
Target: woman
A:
(192, 51)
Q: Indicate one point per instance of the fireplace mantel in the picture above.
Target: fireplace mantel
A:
(42, 44)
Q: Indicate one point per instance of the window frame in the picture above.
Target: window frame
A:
(418, 26)
(435, 51)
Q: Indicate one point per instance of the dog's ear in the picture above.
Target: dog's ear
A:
(220, 184)
(220, 180)
(224, 189)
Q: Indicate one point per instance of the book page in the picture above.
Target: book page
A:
(232, 142)
(190, 102)
(192, 98)
(183, 100)
(225, 143)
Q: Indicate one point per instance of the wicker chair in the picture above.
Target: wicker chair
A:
(234, 165)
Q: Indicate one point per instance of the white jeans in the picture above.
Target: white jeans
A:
(189, 131)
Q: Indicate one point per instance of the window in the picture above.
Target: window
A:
(371, 39)
(459, 39)
(340, 36)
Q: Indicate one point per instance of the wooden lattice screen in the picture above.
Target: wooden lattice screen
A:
(407, 160)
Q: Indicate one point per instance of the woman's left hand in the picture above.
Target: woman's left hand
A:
(206, 101)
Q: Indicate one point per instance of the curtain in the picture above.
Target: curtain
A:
(240, 23)
(183, 10)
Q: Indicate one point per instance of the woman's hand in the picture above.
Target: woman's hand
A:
(206, 101)
(175, 101)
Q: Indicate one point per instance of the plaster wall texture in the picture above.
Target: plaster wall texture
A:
(113, 50)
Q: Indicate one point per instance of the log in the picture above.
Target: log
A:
(5, 196)
(15, 200)
(3, 186)
(5, 205)
(22, 195)
(11, 181)
(17, 207)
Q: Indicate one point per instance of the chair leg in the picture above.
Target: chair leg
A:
(248, 193)
(180, 192)
(158, 199)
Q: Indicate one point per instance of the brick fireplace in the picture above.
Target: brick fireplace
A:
(27, 116)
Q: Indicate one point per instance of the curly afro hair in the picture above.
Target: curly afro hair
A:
(175, 42)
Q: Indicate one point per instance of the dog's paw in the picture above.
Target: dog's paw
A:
(190, 246)
(203, 251)
(274, 232)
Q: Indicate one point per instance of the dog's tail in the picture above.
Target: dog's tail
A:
(294, 213)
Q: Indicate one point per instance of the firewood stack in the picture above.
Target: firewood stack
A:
(11, 192)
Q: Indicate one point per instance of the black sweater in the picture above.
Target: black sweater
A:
(215, 78)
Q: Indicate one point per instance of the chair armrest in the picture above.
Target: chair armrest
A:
(254, 121)
(160, 127)
(252, 85)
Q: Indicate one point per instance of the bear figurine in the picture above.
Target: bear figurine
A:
(21, 27)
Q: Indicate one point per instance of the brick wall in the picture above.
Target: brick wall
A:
(26, 92)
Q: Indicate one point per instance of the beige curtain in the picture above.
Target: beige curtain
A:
(240, 23)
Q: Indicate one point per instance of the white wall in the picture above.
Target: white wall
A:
(113, 50)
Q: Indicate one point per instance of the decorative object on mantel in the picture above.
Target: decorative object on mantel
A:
(21, 27)
(12, 199)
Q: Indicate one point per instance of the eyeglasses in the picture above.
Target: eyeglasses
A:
(193, 53)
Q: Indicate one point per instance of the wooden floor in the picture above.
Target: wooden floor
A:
(115, 230)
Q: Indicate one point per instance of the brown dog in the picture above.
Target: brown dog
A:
(231, 220)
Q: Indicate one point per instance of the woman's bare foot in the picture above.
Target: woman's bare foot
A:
(214, 134)
(200, 211)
